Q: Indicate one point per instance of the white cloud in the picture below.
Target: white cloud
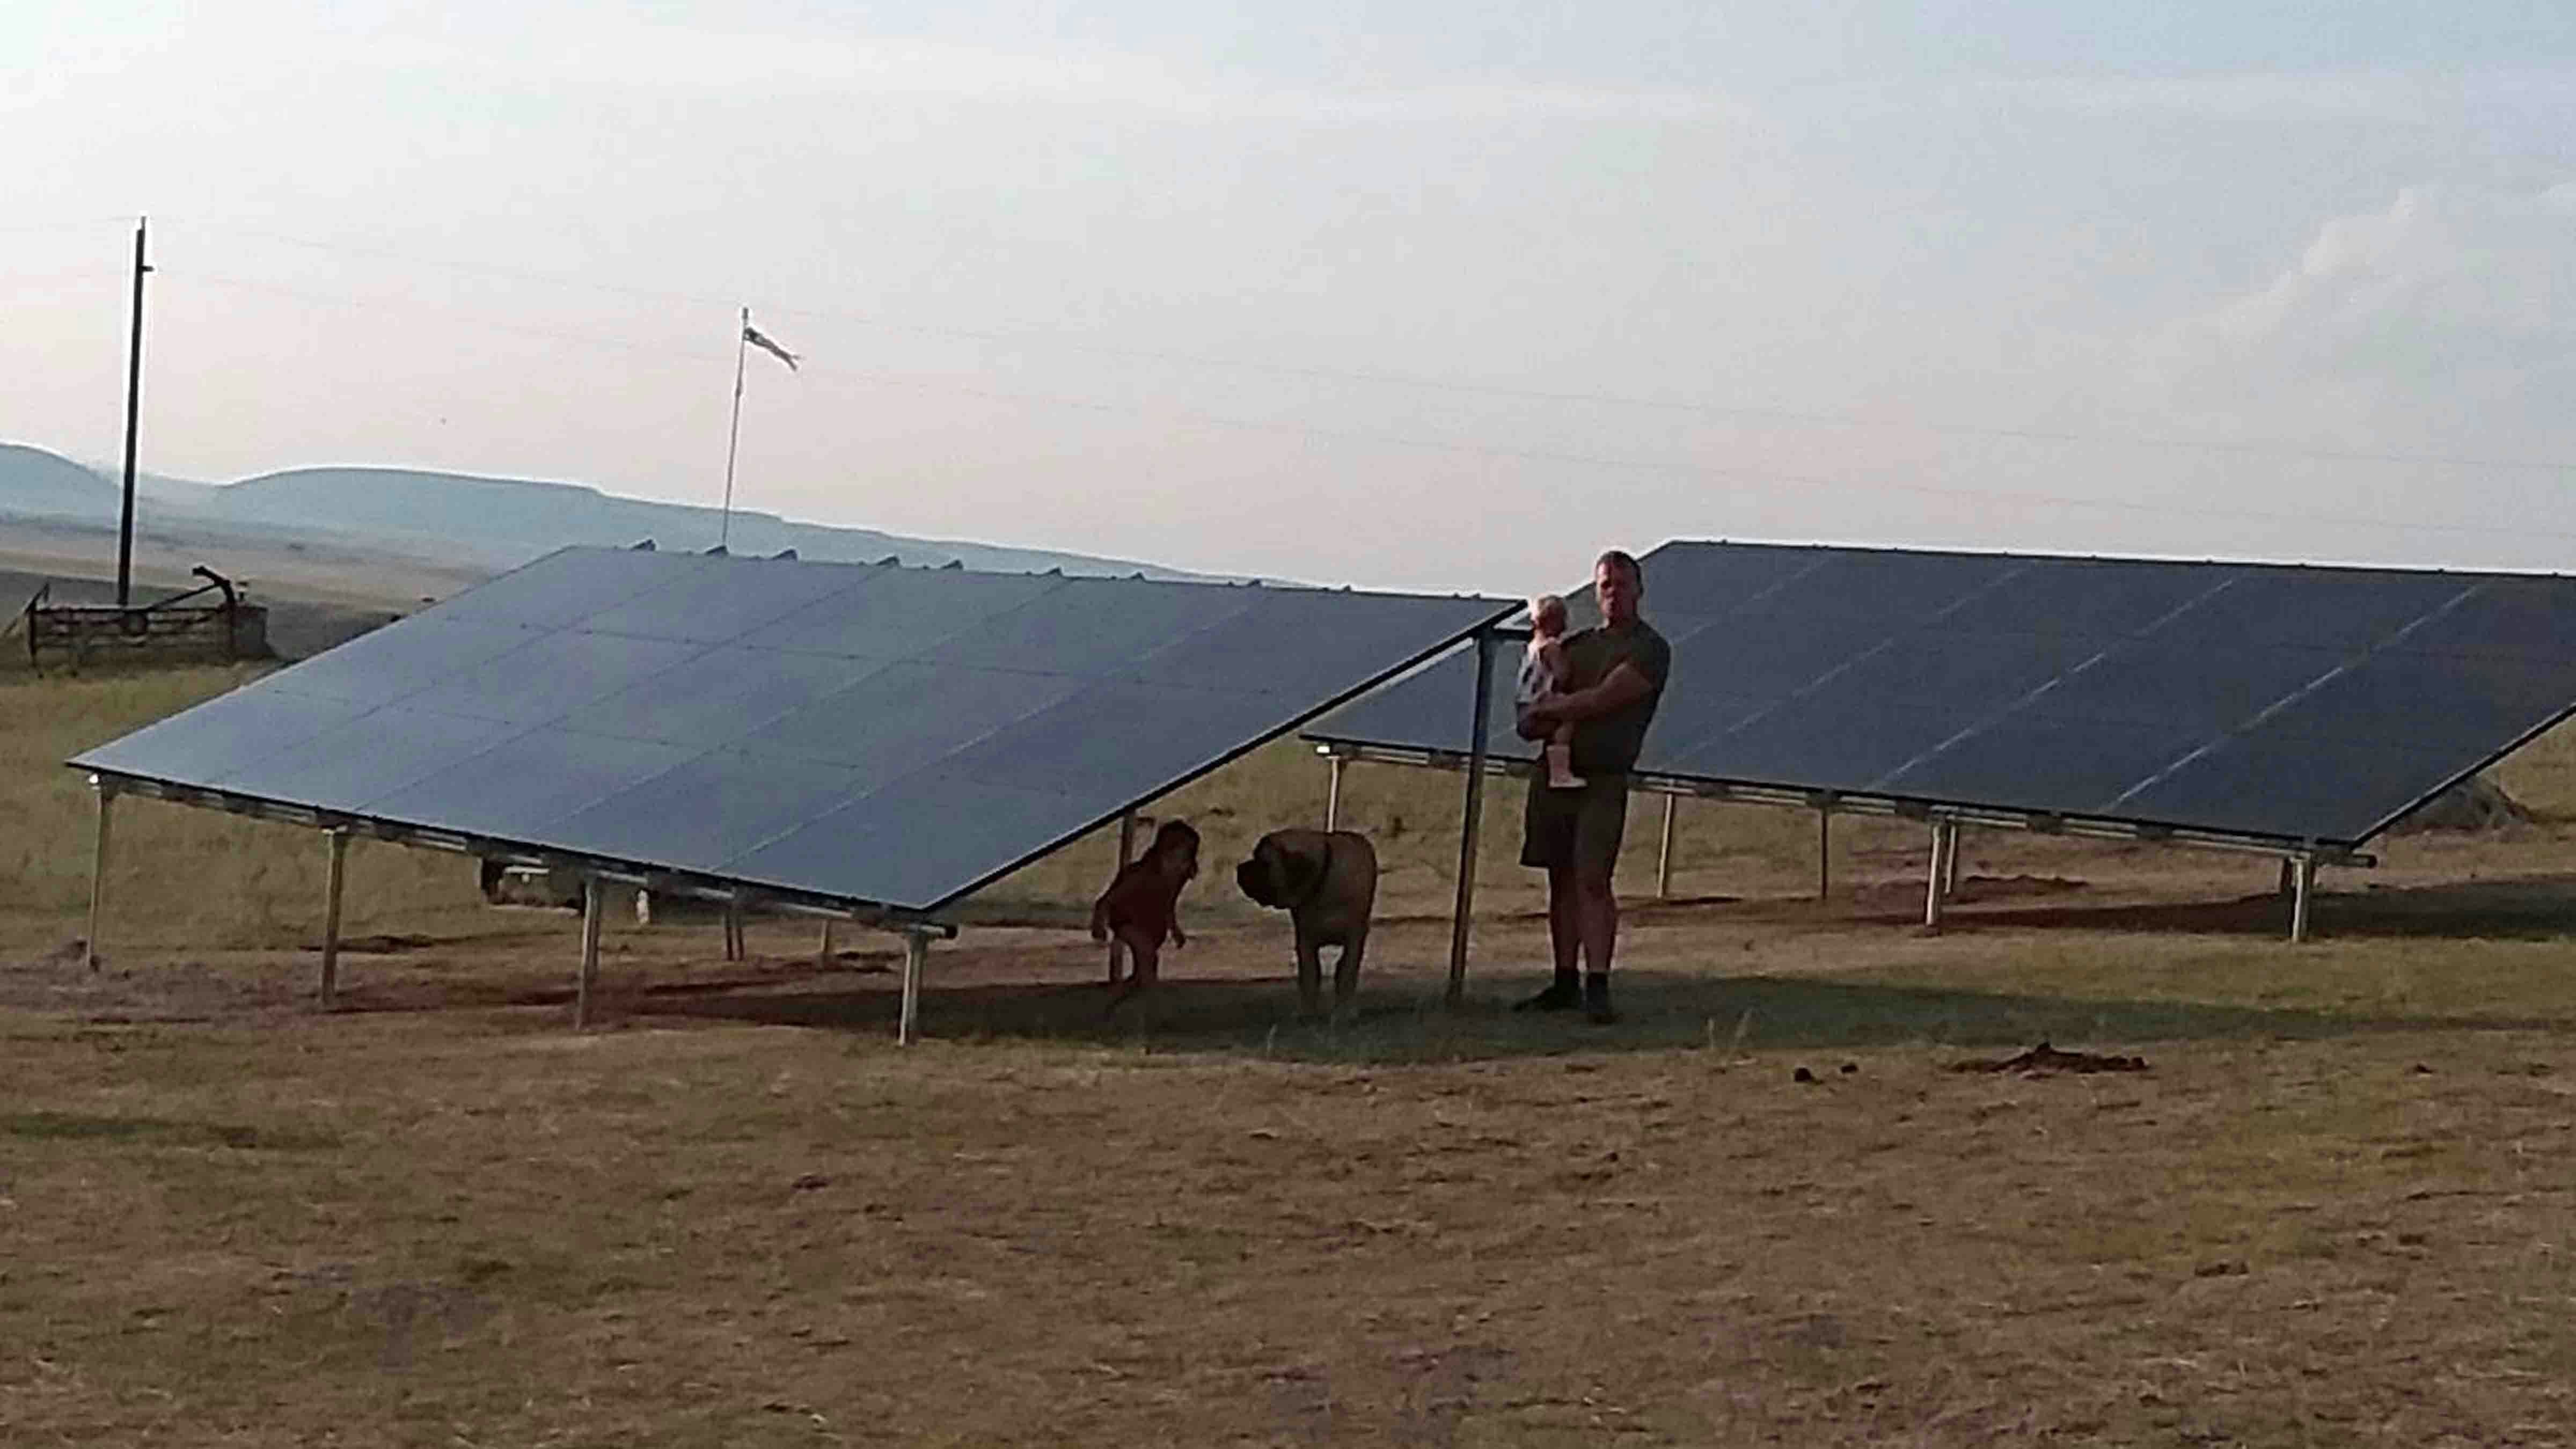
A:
(2447, 278)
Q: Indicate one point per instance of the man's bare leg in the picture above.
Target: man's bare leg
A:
(1565, 937)
(1597, 923)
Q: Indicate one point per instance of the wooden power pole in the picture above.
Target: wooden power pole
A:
(133, 418)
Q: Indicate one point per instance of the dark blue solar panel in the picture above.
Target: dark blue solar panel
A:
(2336, 789)
(519, 788)
(908, 715)
(2515, 618)
(710, 606)
(922, 608)
(2284, 702)
(723, 694)
(861, 733)
(713, 808)
(2036, 762)
(429, 648)
(1089, 628)
(349, 767)
(918, 837)
(554, 673)
(572, 586)
(222, 735)
(2206, 687)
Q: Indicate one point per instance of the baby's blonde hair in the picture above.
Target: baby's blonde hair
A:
(1544, 605)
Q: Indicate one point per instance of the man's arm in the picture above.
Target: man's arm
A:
(1623, 686)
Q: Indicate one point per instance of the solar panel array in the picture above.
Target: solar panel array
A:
(2281, 702)
(867, 734)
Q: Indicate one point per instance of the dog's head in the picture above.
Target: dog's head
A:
(1277, 875)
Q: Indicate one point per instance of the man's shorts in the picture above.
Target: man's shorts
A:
(1578, 828)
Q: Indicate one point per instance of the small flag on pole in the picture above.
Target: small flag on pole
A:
(756, 338)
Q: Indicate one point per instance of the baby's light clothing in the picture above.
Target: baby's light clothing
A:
(1536, 681)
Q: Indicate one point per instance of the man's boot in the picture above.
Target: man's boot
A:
(1596, 999)
(1561, 995)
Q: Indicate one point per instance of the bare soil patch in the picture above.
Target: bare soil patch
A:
(740, 1215)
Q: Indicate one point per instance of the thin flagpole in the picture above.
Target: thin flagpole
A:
(733, 438)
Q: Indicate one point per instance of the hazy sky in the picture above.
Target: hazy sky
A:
(1422, 294)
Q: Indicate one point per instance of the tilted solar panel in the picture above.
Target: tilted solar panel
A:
(2279, 702)
(866, 734)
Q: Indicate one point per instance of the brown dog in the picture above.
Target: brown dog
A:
(1327, 883)
(1142, 905)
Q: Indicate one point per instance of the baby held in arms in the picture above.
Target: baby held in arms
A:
(1543, 675)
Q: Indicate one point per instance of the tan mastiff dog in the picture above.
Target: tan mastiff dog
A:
(1327, 883)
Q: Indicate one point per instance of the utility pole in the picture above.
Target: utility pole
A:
(133, 420)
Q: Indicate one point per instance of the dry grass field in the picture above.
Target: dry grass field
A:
(2335, 1209)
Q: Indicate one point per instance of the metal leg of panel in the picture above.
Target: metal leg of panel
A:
(593, 906)
(1664, 855)
(1933, 896)
(1950, 869)
(823, 954)
(2305, 887)
(1468, 827)
(1824, 854)
(916, 956)
(336, 876)
(1333, 795)
(734, 949)
(98, 873)
(1126, 853)
(2288, 884)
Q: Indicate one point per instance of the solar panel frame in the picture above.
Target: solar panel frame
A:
(427, 757)
(2105, 619)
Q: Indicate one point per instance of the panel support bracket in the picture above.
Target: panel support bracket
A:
(107, 791)
(1473, 817)
(335, 876)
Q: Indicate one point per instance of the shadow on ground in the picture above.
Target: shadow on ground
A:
(2523, 908)
(1662, 1012)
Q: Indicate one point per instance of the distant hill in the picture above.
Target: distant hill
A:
(36, 483)
(495, 523)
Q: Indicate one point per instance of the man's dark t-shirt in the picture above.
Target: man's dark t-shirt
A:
(1608, 744)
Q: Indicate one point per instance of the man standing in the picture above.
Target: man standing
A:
(1615, 678)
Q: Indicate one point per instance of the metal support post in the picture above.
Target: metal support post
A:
(1475, 814)
(334, 877)
(1126, 852)
(1824, 853)
(1950, 871)
(592, 908)
(2288, 884)
(1664, 857)
(823, 954)
(2305, 888)
(1333, 796)
(1944, 841)
(734, 948)
(98, 872)
(916, 956)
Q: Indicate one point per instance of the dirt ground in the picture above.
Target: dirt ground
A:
(2334, 1209)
